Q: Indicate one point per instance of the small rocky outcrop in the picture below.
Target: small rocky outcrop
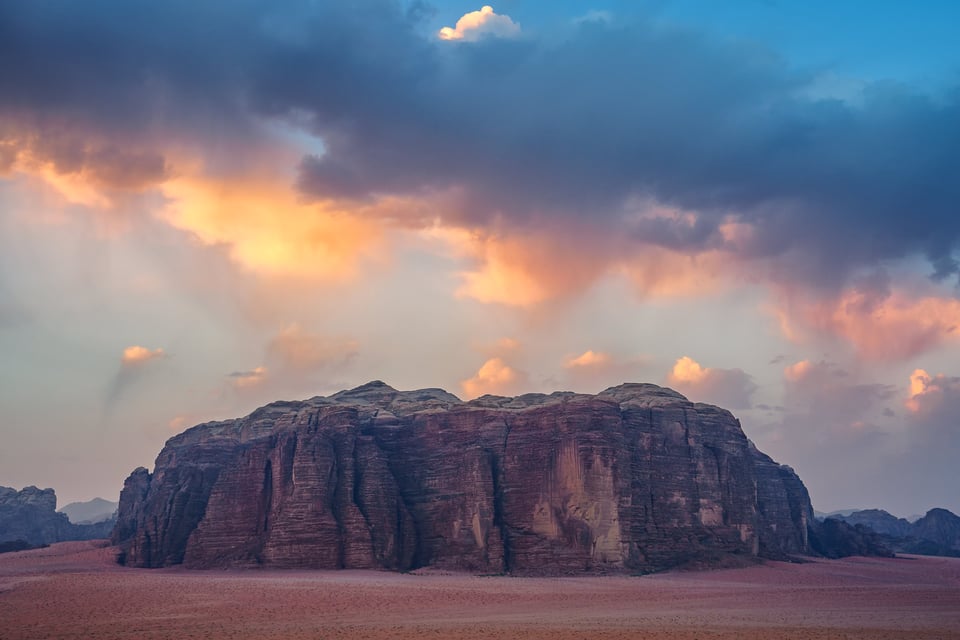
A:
(633, 479)
(30, 517)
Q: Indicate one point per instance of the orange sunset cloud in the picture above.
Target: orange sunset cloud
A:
(494, 377)
(136, 355)
(268, 229)
(588, 359)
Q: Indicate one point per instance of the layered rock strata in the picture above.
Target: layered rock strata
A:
(634, 479)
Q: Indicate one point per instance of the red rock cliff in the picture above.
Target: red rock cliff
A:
(633, 479)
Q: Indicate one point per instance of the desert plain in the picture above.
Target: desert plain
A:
(76, 590)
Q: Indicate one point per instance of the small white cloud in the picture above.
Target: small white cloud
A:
(479, 24)
(136, 356)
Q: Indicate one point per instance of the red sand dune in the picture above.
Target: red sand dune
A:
(74, 590)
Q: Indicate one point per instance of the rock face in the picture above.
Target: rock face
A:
(30, 516)
(634, 479)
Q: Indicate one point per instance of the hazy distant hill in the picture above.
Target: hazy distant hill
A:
(89, 512)
(880, 521)
(935, 534)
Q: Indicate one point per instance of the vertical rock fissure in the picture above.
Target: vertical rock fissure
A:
(357, 482)
(289, 454)
(498, 500)
(266, 497)
(406, 506)
(334, 481)
(266, 505)
(498, 509)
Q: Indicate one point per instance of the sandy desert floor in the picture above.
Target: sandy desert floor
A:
(74, 590)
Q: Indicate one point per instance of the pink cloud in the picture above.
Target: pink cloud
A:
(928, 394)
(881, 327)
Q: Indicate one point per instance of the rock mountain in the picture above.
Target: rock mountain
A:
(633, 479)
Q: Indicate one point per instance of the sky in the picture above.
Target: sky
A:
(205, 207)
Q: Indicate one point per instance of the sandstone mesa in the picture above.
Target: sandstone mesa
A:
(634, 479)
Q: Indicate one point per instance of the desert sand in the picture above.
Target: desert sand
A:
(75, 590)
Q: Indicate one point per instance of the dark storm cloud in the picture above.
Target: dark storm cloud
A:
(575, 127)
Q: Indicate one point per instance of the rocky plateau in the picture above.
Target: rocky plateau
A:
(631, 480)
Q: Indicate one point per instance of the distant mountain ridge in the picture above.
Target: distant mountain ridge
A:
(91, 511)
(937, 533)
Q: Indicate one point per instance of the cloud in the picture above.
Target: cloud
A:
(298, 350)
(841, 424)
(589, 359)
(479, 24)
(930, 395)
(505, 347)
(67, 159)
(526, 270)
(137, 356)
(833, 427)
(495, 377)
(297, 362)
(267, 228)
(530, 132)
(134, 363)
(885, 325)
(594, 15)
(825, 386)
(248, 379)
(594, 370)
(729, 388)
(682, 161)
